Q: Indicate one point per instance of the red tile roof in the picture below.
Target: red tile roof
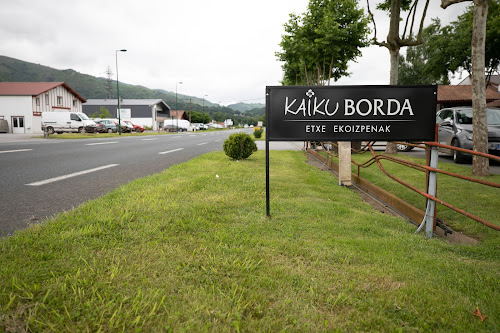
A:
(33, 88)
(179, 114)
(463, 94)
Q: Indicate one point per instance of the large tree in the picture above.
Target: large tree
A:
(447, 49)
(480, 165)
(319, 43)
(395, 40)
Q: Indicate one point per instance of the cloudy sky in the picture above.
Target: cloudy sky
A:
(221, 48)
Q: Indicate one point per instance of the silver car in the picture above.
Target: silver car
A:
(455, 129)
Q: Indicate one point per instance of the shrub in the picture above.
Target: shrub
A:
(258, 133)
(239, 146)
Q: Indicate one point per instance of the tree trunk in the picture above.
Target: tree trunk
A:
(480, 165)
(393, 46)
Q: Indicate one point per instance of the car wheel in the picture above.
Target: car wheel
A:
(403, 147)
(458, 157)
(110, 130)
(50, 130)
(138, 130)
(81, 130)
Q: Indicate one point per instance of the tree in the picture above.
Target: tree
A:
(480, 165)
(318, 44)
(394, 42)
(419, 64)
(102, 113)
(448, 49)
(200, 117)
(454, 43)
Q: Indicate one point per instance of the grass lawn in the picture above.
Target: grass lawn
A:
(186, 250)
(482, 201)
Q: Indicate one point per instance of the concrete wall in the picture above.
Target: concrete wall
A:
(17, 106)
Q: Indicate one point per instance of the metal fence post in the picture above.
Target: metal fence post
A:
(431, 190)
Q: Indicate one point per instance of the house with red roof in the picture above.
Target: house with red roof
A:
(22, 103)
(461, 95)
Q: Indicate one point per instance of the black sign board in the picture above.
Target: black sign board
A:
(351, 113)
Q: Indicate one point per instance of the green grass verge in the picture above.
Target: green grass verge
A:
(185, 250)
(480, 200)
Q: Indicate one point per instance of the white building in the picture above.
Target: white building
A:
(22, 103)
(145, 112)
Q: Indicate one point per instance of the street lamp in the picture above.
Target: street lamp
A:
(118, 92)
(176, 110)
(204, 106)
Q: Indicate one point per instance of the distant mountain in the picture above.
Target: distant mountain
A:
(243, 107)
(89, 87)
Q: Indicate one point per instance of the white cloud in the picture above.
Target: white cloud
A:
(222, 48)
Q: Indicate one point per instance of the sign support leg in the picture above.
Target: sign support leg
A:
(345, 163)
(268, 208)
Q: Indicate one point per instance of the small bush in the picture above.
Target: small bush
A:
(258, 133)
(239, 146)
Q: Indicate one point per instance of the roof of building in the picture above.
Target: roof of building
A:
(495, 104)
(33, 88)
(463, 93)
(148, 102)
(179, 114)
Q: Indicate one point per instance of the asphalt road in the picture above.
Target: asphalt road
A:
(40, 178)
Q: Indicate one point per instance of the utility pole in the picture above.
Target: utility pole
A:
(190, 112)
(109, 83)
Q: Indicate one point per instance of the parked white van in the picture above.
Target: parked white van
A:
(63, 121)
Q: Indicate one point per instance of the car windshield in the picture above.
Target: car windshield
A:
(83, 116)
(492, 117)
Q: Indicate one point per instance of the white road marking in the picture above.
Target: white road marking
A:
(55, 179)
(201, 144)
(149, 139)
(170, 151)
(218, 140)
(14, 151)
(101, 143)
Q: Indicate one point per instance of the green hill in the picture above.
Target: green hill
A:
(244, 107)
(88, 86)
(91, 87)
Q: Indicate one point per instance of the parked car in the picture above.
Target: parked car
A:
(126, 128)
(109, 124)
(137, 128)
(100, 127)
(402, 147)
(173, 128)
(455, 129)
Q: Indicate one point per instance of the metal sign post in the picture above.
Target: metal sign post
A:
(348, 113)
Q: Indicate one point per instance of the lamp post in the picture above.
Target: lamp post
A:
(204, 106)
(176, 110)
(118, 92)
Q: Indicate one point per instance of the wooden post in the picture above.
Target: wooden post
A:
(345, 163)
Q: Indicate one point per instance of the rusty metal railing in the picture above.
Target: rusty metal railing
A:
(428, 169)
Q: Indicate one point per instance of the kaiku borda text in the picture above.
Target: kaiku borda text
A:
(314, 107)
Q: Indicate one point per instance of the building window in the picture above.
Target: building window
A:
(38, 101)
(46, 99)
(59, 101)
(74, 103)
